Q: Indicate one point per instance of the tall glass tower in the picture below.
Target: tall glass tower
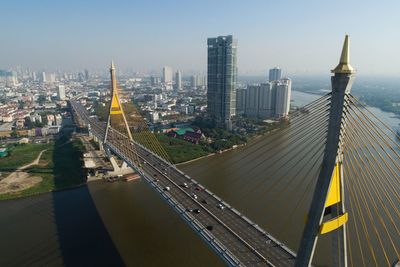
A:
(221, 79)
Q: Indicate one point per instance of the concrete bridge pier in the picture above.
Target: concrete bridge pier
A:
(117, 170)
(97, 140)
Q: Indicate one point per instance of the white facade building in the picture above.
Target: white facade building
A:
(283, 94)
(61, 92)
(167, 77)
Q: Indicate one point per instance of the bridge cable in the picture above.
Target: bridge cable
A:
(271, 137)
(292, 140)
(361, 171)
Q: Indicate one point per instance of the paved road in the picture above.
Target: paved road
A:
(234, 237)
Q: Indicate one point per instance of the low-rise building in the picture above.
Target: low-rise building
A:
(188, 134)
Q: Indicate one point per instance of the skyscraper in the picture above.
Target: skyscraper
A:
(193, 81)
(221, 79)
(86, 75)
(275, 74)
(283, 93)
(61, 92)
(167, 77)
(43, 77)
(178, 81)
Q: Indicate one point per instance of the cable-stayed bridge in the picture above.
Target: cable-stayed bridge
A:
(341, 158)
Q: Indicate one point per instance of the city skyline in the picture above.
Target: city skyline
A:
(147, 36)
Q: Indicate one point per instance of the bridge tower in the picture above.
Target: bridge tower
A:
(117, 128)
(116, 115)
(328, 198)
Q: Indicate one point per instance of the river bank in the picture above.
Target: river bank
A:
(34, 169)
(19, 180)
(212, 154)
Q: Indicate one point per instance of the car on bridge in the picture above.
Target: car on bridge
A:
(220, 206)
(198, 188)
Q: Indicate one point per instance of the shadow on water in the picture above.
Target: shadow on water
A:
(83, 238)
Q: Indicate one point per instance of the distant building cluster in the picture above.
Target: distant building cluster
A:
(266, 100)
(225, 101)
(171, 80)
(32, 103)
(33, 99)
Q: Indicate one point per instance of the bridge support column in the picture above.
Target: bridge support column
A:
(101, 147)
(117, 170)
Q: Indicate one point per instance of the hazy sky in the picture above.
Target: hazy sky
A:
(302, 37)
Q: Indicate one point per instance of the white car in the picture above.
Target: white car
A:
(220, 206)
(194, 196)
(167, 188)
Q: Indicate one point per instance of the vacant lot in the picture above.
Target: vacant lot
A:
(60, 166)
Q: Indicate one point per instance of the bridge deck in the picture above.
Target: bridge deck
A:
(234, 237)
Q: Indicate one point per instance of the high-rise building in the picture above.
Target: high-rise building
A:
(86, 75)
(265, 101)
(240, 101)
(201, 81)
(259, 101)
(178, 81)
(275, 74)
(43, 78)
(283, 93)
(221, 79)
(252, 100)
(51, 77)
(193, 81)
(167, 77)
(61, 92)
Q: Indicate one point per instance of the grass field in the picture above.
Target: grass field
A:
(181, 150)
(60, 166)
(22, 155)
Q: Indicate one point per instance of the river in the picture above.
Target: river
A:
(116, 224)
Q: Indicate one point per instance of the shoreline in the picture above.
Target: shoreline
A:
(46, 192)
(215, 153)
(251, 139)
(48, 182)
